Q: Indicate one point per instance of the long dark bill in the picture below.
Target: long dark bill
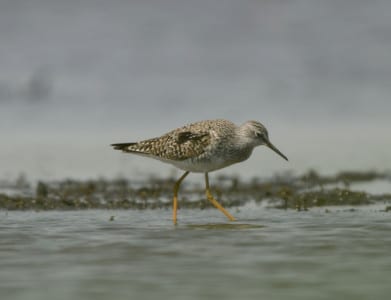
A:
(274, 148)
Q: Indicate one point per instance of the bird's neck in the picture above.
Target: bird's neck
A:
(244, 138)
(243, 146)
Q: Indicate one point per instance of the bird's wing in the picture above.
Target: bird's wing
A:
(175, 145)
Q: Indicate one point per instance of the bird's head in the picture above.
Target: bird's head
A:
(259, 135)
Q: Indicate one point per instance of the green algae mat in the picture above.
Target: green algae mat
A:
(284, 191)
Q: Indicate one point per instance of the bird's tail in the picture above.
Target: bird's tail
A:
(126, 147)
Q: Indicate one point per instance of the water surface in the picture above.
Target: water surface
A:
(338, 253)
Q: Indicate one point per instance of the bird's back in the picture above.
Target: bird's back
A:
(187, 142)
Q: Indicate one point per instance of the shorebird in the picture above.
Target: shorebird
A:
(203, 147)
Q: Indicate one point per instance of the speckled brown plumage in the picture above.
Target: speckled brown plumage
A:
(189, 141)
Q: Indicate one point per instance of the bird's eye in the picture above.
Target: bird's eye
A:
(261, 135)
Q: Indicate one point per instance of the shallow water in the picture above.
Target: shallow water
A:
(338, 253)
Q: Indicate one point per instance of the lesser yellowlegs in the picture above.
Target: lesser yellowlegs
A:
(203, 147)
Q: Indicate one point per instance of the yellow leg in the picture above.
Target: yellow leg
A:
(214, 201)
(175, 200)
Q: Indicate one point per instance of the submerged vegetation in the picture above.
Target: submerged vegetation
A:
(284, 191)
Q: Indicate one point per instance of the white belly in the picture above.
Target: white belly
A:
(205, 165)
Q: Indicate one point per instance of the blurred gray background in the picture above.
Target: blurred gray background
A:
(76, 76)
